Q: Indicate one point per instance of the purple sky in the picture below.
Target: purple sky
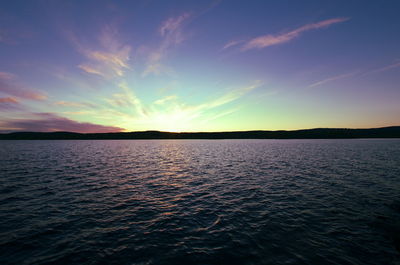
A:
(99, 66)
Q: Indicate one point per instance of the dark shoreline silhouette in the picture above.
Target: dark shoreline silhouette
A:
(320, 133)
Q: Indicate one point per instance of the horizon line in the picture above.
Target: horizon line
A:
(182, 132)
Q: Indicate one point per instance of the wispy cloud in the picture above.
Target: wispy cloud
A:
(355, 73)
(385, 68)
(220, 115)
(120, 100)
(131, 99)
(109, 60)
(232, 43)
(154, 63)
(166, 99)
(224, 99)
(198, 109)
(333, 78)
(172, 35)
(271, 39)
(9, 85)
(230, 96)
(106, 64)
(50, 122)
(172, 26)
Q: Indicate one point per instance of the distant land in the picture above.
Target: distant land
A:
(320, 133)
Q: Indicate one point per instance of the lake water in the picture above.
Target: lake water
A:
(200, 202)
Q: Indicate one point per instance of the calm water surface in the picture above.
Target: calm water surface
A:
(200, 202)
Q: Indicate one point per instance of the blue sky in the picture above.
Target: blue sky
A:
(98, 66)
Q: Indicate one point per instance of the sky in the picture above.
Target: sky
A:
(226, 65)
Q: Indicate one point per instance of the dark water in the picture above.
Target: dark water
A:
(200, 202)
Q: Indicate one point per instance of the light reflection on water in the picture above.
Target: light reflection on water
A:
(200, 202)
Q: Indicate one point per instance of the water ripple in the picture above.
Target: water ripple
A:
(200, 202)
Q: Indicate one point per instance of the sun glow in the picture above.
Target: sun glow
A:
(176, 121)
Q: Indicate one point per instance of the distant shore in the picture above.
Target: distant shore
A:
(320, 133)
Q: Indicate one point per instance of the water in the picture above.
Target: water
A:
(200, 202)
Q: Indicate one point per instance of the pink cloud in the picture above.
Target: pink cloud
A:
(270, 39)
(6, 76)
(75, 104)
(9, 100)
(8, 85)
(9, 103)
(50, 122)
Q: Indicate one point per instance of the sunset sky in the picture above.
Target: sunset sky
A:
(101, 66)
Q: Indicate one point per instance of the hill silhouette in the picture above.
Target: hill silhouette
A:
(320, 133)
